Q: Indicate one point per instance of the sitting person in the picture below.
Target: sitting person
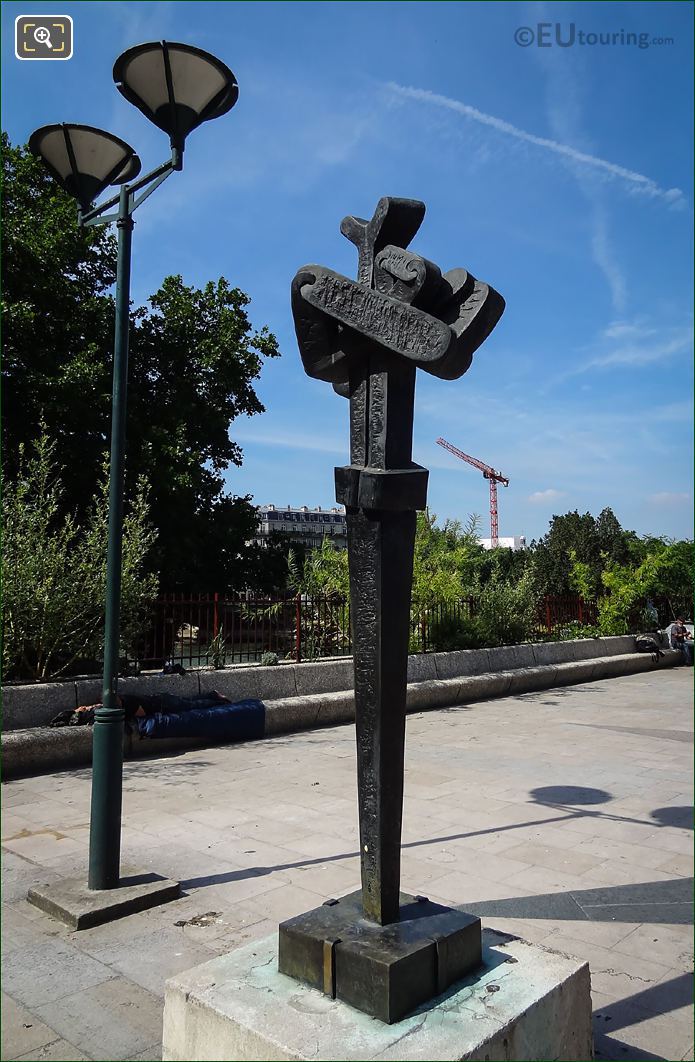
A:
(682, 639)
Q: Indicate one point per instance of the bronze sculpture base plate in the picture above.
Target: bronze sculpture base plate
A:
(386, 971)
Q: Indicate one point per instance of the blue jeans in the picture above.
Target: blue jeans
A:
(686, 648)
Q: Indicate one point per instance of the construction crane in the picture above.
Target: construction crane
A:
(489, 474)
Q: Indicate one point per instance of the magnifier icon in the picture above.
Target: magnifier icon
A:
(42, 36)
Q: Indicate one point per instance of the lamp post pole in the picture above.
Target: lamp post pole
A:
(178, 87)
(107, 742)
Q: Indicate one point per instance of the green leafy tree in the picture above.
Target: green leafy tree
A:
(667, 574)
(57, 324)
(446, 561)
(664, 578)
(194, 359)
(54, 571)
(578, 540)
(322, 570)
(507, 612)
(322, 581)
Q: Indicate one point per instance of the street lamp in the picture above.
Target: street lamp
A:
(177, 87)
(84, 160)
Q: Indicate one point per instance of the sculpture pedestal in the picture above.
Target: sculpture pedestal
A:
(386, 971)
(524, 1003)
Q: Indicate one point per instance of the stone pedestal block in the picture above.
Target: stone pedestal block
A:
(524, 1003)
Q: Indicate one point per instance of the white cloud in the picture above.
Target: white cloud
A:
(541, 496)
(606, 260)
(646, 353)
(634, 346)
(667, 497)
(627, 330)
(635, 181)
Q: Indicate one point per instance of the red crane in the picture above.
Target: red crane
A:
(489, 474)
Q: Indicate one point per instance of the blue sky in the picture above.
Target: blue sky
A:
(561, 175)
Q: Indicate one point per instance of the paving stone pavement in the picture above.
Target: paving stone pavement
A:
(563, 816)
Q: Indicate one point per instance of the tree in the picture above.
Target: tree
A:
(194, 358)
(54, 571)
(445, 561)
(578, 544)
(58, 325)
(320, 571)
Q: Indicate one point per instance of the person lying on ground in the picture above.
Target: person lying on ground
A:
(140, 705)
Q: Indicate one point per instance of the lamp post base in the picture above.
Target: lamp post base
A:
(72, 902)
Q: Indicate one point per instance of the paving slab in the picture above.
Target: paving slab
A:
(58, 1051)
(21, 1032)
(590, 772)
(94, 1017)
(50, 969)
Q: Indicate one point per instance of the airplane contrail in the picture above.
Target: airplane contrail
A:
(639, 182)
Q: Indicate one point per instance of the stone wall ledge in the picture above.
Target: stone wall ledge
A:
(296, 702)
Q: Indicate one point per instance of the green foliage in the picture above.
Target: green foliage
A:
(54, 571)
(506, 612)
(449, 631)
(444, 562)
(568, 631)
(452, 574)
(664, 576)
(616, 609)
(323, 570)
(575, 551)
(323, 581)
(194, 359)
(217, 650)
(269, 659)
(267, 565)
(581, 577)
(57, 325)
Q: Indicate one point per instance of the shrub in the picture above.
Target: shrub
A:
(217, 650)
(54, 572)
(269, 659)
(568, 631)
(506, 613)
(448, 632)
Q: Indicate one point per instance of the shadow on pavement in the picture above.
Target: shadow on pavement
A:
(658, 902)
(659, 999)
(681, 818)
(606, 1048)
(552, 795)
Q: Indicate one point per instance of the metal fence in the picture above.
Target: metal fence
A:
(558, 611)
(198, 630)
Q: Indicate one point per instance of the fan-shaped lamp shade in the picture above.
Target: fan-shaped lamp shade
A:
(84, 160)
(176, 86)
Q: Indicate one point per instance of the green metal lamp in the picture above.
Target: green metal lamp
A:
(177, 87)
(84, 160)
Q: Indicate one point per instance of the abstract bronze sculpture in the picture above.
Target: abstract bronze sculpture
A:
(378, 949)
